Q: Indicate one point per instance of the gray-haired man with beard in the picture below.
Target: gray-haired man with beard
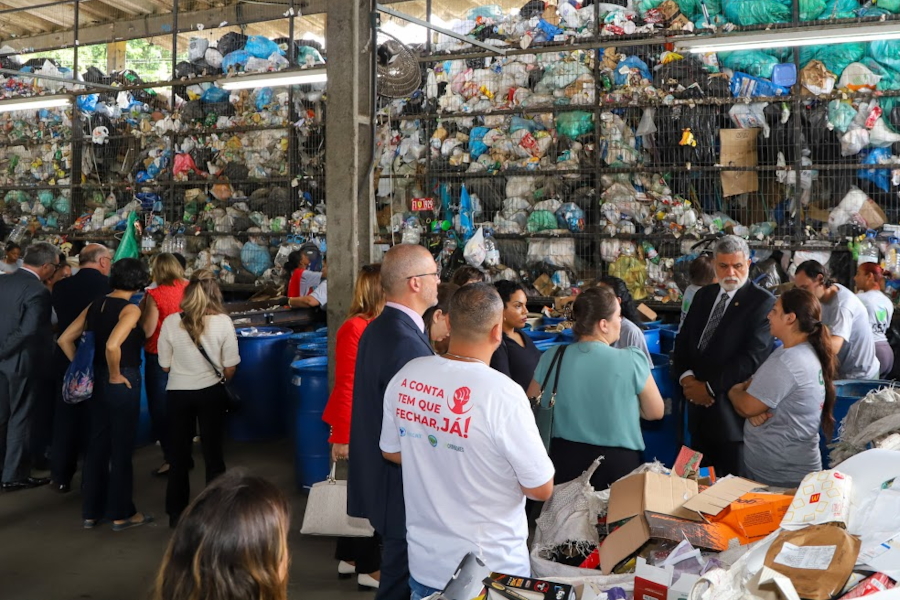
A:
(724, 339)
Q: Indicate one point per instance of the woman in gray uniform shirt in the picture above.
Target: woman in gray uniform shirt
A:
(790, 396)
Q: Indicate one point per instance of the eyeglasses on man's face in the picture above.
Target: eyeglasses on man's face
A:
(436, 275)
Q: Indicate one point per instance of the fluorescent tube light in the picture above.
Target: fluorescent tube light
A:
(789, 38)
(34, 103)
(274, 79)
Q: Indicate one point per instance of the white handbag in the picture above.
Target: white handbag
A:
(326, 511)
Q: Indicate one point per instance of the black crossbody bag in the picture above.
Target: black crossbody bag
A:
(232, 398)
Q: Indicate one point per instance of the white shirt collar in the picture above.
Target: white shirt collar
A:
(729, 294)
(27, 270)
(416, 317)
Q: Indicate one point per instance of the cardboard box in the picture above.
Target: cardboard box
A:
(529, 588)
(650, 492)
(738, 149)
(755, 515)
(647, 312)
(656, 583)
(718, 497)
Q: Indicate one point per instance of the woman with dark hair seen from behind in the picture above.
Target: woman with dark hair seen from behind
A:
(297, 262)
(588, 424)
(790, 396)
(195, 393)
(10, 262)
(632, 335)
(161, 300)
(108, 480)
(847, 319)
(517, 356)
(231, 544)
(437, 318)
(465, 275)
(870, 289)
(355, 555)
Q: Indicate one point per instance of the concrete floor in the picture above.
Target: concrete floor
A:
(46, 555)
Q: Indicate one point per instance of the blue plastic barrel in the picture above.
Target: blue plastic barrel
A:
(322, 330)
(260, 382)
(311, 349)
(566, 336)
(667, 341)
(663, 438)
(539, 335)
(309, 393)
(544, 345)
(550, 321)
(847, 392)
(653, 340)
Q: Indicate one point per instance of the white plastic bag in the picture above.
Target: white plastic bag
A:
(475, 251)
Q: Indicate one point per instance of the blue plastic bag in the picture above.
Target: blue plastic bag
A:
(476, 146)
(214, 94)
(87, 103)
(517, 123)
(236, 58)
(263, 98)
(78, 383)
(255, 258)
(261, 47)
(623, 69)
(445, 202)
(880, 177)
(466, 227)
(570, 216)
(748, 86)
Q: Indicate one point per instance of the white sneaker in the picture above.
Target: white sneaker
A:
(345, 570)
(366, 582)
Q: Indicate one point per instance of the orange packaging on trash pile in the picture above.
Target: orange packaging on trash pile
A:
(755, 515)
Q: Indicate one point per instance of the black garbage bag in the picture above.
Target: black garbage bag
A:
(769, 273)
(230, 42)
(534, 8)
(221, 109)
(192, 111)
(95, 75)
(37, 63)
(236, 172)
(187, 70)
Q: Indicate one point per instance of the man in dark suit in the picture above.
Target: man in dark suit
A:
(70, 297)
(724, 339)
(26, 343)
(410, 280)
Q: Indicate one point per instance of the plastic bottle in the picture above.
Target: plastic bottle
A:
(179, 244)
(892, 258)
(18, 232)
(868, 250)
(650, 252)
(492, 254)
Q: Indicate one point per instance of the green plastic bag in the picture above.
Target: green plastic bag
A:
(753, 62)
(575, 123)
(129, 247)
(541, 220)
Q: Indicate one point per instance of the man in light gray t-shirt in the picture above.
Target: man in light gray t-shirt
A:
(847, 318)
(784, 449)
(632, 336)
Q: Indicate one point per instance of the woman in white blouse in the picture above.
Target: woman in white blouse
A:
(195, 391)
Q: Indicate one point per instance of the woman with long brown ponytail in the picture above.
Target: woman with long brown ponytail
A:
(790, 396)
(188, 343)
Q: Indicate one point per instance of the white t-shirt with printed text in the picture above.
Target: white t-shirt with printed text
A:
(468, 444)
(881, 311)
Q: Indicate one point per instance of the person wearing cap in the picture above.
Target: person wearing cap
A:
(317, 296)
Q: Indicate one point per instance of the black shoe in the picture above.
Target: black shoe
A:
(25, 484)
(60, 488)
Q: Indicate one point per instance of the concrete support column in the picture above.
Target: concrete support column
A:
(115, 56)
(348, 185)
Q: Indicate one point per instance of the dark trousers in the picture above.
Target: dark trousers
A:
(70, 432)
(726, 457)
(113, 412)
(155, 379)
(394, 583)
(185, 409)
(571, 459)
(365, 553)
(16, 413)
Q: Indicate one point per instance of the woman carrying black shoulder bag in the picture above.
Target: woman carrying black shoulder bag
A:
(199, 350)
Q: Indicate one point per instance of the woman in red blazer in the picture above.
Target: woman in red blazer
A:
(356, 555)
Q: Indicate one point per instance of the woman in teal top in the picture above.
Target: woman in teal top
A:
(603, 393)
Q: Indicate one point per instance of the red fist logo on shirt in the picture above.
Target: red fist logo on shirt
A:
(460, 403)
